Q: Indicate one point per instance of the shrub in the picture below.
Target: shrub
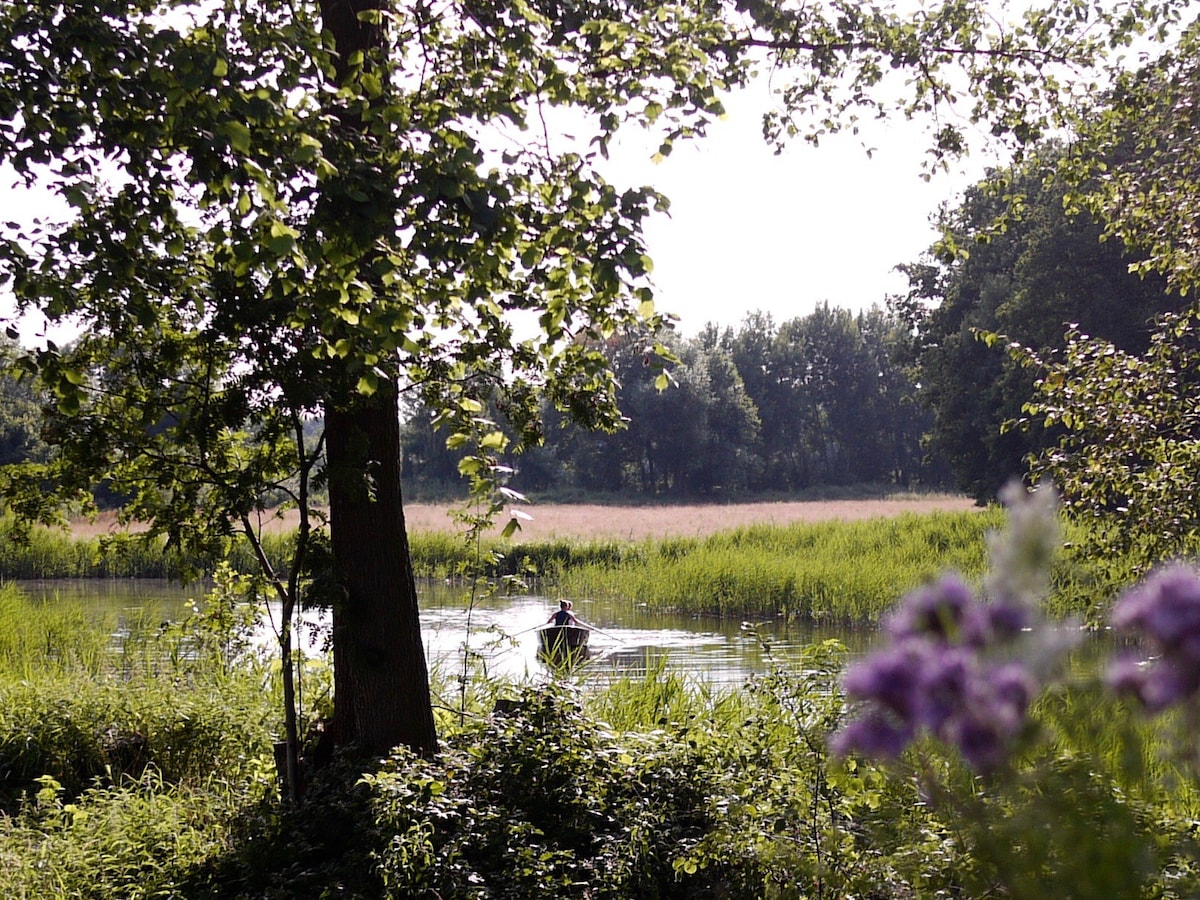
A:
(541, 801)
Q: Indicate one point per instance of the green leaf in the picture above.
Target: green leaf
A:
(282, 239)
(237, 134)
(368, 384)
(493, 440)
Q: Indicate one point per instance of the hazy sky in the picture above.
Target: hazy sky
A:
(752, 230)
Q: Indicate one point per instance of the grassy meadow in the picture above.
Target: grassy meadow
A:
(144, 768)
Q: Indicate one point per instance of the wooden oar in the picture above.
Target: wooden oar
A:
(598, 630)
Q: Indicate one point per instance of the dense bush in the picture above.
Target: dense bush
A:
(712, 797)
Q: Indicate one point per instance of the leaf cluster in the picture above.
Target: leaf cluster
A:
(1127, 458)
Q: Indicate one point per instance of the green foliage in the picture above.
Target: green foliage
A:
(1135, 164)
(121, 768)
(107, 730)
(1087, 797)
(509, 824)
(440, 555)
(694, 795)
(20, 414)
(1125, 463)
(1028, 279)
(116, 843)
(283, 212)
(840, 571)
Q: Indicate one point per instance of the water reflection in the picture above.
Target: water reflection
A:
(497, 636)
(628, 640)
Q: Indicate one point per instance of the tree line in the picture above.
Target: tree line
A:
(905, 394)
(820, 400)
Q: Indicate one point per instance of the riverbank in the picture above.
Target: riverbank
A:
(833, 561)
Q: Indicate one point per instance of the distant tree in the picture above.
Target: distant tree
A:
(724, 458)
(842, 380)
(427, 461)
(833, 398)
(897, 421)
(20, 413)
(1040, 273)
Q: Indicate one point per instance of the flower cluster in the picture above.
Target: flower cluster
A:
(937, 676)
(1165, 610)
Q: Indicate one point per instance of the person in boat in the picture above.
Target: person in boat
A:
(564, 616)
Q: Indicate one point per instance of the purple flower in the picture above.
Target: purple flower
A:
(935, 677)
(978, 740)
(1013, 686)
(941, 611)
(871, 735)
(1126, 675)
(946, 612)
(1005, 620)
(1155, 686)
(1165, 608)
(947, 684)
(950, 692)
(892, 677)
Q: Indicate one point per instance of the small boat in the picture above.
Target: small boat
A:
(561, 640)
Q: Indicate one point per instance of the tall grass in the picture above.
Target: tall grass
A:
(75, 707)
(44, 553)
(846, 571)
(443, 555)
(37, 639)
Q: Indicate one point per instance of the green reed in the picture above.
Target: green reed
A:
(833, 570)
(44, 553)
(40, 638)
(845, 571)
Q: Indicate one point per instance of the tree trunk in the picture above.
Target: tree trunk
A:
(381, 685)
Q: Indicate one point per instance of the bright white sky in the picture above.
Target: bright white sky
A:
(750, 230)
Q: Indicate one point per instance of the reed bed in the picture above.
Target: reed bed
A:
(43, 553)
(830, 570)
(839, 571)
(36, 639)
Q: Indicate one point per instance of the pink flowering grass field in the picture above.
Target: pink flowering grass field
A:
(587, 521)
(635, 523)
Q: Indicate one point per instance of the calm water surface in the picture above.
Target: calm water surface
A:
(500, 631)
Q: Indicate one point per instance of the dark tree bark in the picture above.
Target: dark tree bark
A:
(381, 683)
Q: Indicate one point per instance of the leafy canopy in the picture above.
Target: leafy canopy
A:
(259, 223)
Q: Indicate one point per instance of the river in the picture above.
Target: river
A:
(628, 640)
